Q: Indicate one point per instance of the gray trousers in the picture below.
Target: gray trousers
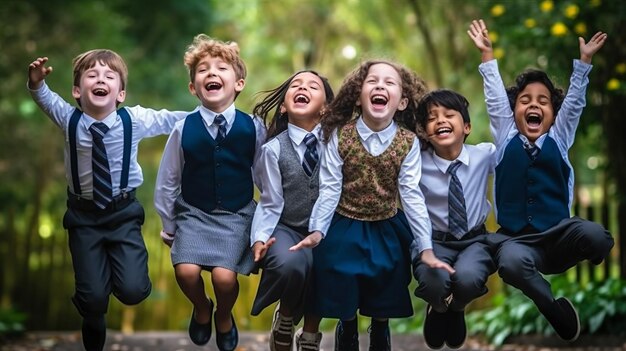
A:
(109, 256)
(523, 259)
(473, 263)
(285, 274)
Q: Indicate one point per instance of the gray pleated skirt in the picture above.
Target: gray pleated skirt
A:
(217, 239)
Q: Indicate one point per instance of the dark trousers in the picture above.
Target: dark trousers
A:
(473, 262)
(523, 259)
(285, 274)
(108, 256)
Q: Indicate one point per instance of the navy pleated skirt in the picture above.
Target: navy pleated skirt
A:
(363, 266)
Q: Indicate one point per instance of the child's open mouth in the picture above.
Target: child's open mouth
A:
(379, 101)
(212, 86)
(533, 119)
(443, 130)
(301, 99)
(100, 92)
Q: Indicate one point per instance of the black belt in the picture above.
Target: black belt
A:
(446, 236)
(119, 202)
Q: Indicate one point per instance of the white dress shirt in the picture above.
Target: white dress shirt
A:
(145, 123)
(271, 202)
(563, 131)
(168, 182)
(478, 162)
(375, 143)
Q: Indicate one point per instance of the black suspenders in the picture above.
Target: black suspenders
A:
(128, 133)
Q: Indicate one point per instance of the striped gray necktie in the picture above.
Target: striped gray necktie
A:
(310, 154)
(457, 215)
(220, 121)
(102, 188)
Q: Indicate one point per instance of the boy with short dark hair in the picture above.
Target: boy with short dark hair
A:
(454, 184)
(534, 127)
(103, 217)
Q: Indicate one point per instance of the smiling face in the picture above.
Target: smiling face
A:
(99, 90)
(534, 114)
(305, 99)
(446, 131)
(381, 96)
(215, 83)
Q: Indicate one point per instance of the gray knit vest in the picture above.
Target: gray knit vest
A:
(299, 190)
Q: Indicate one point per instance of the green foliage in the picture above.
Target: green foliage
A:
(601, 309)
(11, 323)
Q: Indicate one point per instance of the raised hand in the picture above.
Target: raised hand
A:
(311, 241)
(480, 35)
(259, 249)
(588, 49)
(37, 72)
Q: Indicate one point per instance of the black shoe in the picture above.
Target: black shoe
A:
(94, 333)
(380, 338)
(434, 328)
(345, 342)
(200, 334)
(228, 341)
(564, 319)
(456, 332)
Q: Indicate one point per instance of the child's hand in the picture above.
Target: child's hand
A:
(168, 238)
(311, 241)
(37, 72)
(429, 259)
(480, 35)
(259, 249)
(587, 50)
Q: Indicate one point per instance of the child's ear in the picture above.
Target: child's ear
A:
(404, 102)
(283, 110)
(76, 92)
(192, 89)
(239, 85)
(467, 128)
(121, 96)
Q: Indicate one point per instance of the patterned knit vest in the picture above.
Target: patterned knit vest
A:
(370, 183)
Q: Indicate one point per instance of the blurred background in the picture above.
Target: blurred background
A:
(277, 38)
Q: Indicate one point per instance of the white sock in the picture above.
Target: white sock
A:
(308, 336)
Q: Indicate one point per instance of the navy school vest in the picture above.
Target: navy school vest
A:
(218, 175)
(128, 135)
(530, 192)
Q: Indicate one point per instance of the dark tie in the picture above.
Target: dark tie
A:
(532, 151)
(310, 155)
(102, 188)
(457, 215)
(220, 121)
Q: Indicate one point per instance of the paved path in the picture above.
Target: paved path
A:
(179, 341)
(251, 341)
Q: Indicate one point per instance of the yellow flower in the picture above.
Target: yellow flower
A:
(546, 6)
(493, 36)
(580, 28)
(613, 84)
(498, 53)
(558, 29)
(497, 10)
(620, 68)
(571, 11)
(596, 3)
(530, 23)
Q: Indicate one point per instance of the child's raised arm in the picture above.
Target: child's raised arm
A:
(37, 72)
(587, 50)
(480, 35)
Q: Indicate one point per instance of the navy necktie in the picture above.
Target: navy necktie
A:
(457, 215)
(310, 154)
(102, 188)
(533, 151)
(220, 121)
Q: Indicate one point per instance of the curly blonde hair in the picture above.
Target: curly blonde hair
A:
(344, 107)
(203, 46)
